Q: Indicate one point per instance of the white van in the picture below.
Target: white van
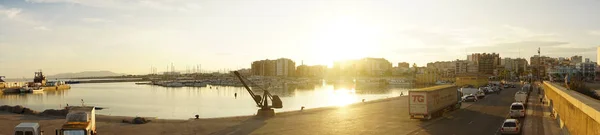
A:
(28, 129)
(521, 96)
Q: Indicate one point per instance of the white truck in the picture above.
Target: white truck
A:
(433, 101)
(27, 128)
(81, 120)
(521, 96)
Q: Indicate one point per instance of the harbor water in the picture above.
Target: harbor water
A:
(129, 99)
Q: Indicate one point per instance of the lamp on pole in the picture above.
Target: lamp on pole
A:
(539, 64)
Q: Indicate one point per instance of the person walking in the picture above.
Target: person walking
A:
(567, 81)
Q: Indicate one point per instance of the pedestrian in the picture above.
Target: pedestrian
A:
(567, 80)
(541, 100)
(235, 95)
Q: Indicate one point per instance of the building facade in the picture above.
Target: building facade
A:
(465, 67)
(404, 65)
(587, 69)
(486, 62)
(576, 59)
(445, 69)
(540, 65)
(363, 67)
(311, 71)
(280, 67)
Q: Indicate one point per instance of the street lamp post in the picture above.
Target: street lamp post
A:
(539, 65)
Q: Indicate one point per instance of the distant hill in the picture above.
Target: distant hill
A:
(85, 74)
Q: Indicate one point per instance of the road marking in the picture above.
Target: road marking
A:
(470, 122)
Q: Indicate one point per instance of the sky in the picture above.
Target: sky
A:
(130, 36)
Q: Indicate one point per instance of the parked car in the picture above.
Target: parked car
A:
(511, 126)
(513, 86)
(480, 95)
(517, 110)
(506, 85)
(469, 98)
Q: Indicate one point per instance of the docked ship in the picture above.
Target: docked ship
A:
(49, 85)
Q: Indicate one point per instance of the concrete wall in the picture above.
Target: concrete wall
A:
(578, 113)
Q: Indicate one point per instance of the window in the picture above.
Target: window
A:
(18, 132)
(516, 107)
(73, 132)
(510, 124)
(28, 133)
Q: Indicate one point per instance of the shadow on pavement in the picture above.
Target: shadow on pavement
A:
(463, 122)
(244, 128)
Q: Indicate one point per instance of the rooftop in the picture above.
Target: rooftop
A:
(28, 125)
(435, 87)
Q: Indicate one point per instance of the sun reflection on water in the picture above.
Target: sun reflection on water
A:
(342, 97)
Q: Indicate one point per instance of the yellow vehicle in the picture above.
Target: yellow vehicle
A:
(81, 120)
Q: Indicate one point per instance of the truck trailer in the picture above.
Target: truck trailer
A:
(433, 101)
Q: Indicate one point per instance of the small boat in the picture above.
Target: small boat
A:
(37, 89)
(11, 90)
(174, 84)
(142, 83)
(71, 82)
(25, 89)
(398, 82)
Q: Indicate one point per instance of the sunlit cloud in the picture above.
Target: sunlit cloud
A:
(594, 32)
(11, 12)
(42, 28)
(96, 20)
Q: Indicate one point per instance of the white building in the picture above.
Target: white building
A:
(587, 69)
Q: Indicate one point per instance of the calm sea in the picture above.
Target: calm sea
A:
(129, 99)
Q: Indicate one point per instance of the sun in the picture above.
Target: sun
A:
(344, 38)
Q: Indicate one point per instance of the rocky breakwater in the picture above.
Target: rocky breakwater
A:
(23, 110)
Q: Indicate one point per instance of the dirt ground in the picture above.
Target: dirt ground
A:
(112, 125)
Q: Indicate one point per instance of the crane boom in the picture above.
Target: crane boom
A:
(247, 88)
(262, 102)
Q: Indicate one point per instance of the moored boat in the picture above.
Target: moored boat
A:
(37, 89)
(174, 84)
(25, 89)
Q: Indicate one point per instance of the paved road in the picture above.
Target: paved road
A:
(385, 117)
(482, 118)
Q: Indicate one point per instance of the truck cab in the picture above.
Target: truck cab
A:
(28, 129)
(81, 120)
